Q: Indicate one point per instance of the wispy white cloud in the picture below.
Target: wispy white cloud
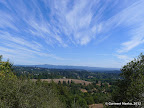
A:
(37, 25)
(18, 47)
(123, 59)
(77, 22)
(136, 40)
(19, 51)
(6, 37)
(132, 18)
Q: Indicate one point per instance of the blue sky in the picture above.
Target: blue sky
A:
(100, 33)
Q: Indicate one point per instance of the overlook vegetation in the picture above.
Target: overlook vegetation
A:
(131, 87)
(45, 73)
(20, 93)
(70, 92)
(19, 90)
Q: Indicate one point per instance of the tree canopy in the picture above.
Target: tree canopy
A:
(131, 87)
(16, 93)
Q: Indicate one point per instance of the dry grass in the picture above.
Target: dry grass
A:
(66, 80)
(83, 90)
(96, 106)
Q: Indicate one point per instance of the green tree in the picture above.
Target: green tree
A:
(131, 87)
(16, 93)
(6, 70)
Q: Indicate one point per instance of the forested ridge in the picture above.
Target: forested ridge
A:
(18, 90)
(45, 73)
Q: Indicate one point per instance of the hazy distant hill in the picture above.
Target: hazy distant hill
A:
(72, 67)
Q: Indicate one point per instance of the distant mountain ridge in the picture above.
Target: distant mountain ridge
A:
(72, 67)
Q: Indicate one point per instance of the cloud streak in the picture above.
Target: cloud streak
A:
(38, 26)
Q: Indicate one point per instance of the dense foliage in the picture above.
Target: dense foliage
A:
(16, 93)
(70, 93)
(131, 87)
(18, 90)
(45, 73)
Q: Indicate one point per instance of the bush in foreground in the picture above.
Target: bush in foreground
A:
(16, 93)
